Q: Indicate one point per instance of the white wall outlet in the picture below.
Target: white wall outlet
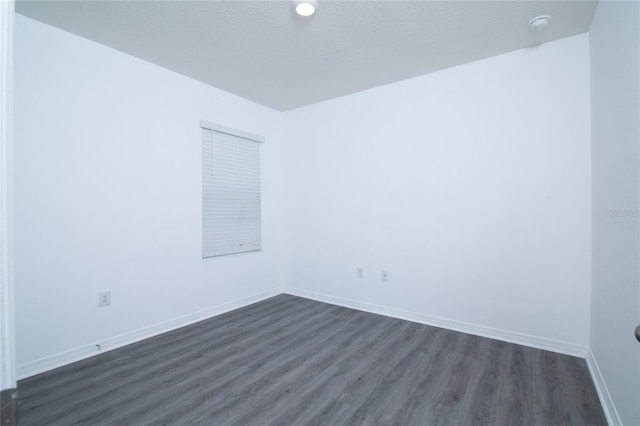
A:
(359, 272)
(104, 298)
(385, 276)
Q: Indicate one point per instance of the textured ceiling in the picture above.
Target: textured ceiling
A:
(262, 51)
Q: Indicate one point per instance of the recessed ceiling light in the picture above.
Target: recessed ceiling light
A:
(539, 22)
(305, 7)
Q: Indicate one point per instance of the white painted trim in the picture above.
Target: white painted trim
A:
(63, 358)
(89, 350)
(464, 327)
(609, 408)
(7, 346)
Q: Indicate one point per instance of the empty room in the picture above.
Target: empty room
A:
(320, 212)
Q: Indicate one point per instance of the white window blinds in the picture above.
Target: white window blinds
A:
(231, 195)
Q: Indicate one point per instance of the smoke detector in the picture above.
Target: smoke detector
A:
(539, 22)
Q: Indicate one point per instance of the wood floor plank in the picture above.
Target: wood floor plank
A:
(253, 369)
(272, 382)
(309, 404)
(225, 372)
(417, 402)
(293, 361)
(515, 392)
(331, 351)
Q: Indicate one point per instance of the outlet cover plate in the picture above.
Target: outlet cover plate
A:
(104, 298)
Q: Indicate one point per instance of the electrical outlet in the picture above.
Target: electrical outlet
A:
(385, 276)
(359, 272)
(104, 298)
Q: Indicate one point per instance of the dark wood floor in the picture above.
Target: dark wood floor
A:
(292, 361)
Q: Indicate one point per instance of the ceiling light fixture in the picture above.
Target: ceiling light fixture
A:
(539, 22)
(305, 7)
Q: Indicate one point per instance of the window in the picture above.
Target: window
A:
(231, 196)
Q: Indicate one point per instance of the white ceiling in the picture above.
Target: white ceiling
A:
(262, 51)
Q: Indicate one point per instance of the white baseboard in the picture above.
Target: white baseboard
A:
(478, 330)
(63, 358)
(609, 408)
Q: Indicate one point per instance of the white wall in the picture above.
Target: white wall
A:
(108, 196)
(471, 186)
(615, 310)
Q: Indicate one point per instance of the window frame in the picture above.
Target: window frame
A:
(207, 251)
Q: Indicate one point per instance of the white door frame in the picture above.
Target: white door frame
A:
(7, 340)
